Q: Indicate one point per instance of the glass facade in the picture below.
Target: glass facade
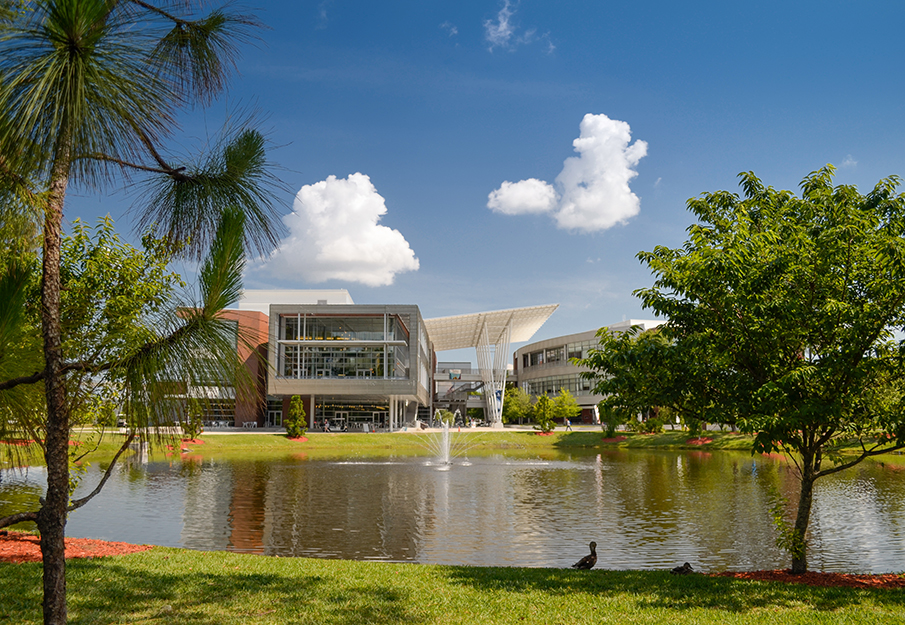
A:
(365, 346)
(573, 383)
(349, 414)
(560, 354)
(326, 328)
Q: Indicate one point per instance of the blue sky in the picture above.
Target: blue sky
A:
(434, 106)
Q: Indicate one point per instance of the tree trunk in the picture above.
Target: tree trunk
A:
(799, 546)
(52, 516)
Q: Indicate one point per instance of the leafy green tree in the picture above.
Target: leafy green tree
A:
(611, 418)
(565, 406)
(193, 421)
(780, 314)
(544, 414)
(636, 370)
(89, 91)
(516, 405)
(476, 414)
(448, 417)
(296, 423)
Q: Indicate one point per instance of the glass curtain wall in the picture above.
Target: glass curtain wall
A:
(361, 348)
(553, 355)
(574, 383)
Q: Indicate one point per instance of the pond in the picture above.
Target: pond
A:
(645, 510)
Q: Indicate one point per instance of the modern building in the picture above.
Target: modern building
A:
(367, 366)
(546, 367)
(356, 366)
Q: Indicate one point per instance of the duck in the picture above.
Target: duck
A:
(685, 569)
(589, 560)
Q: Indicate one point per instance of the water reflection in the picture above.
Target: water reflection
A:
(644, 510)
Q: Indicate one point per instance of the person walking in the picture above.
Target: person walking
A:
(568, 426)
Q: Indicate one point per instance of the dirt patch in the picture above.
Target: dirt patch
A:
(813, 578)
(19, 547)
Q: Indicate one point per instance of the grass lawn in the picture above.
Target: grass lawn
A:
(179, 586)
(324, 446)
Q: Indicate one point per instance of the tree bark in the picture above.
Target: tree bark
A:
(51, 519)
(805, 497)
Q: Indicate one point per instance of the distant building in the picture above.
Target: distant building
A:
(545, 367)
(375, 366)
(361, 366)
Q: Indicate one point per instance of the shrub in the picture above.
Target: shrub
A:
(193, 426)
(296, 423)
(543, 414)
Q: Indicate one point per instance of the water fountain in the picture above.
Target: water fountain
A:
(443, 446)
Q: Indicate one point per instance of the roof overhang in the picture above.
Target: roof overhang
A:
(463, 331)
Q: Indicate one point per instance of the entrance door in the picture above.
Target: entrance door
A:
(339, 421)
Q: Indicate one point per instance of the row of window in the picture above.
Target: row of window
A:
(377, 361)
(561, 353)
(302, 327)
(573, 383)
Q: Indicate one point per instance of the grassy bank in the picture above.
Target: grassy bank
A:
(178, 586)
(514, 442)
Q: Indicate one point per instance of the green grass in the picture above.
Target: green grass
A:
(323, 446)
(178, 586)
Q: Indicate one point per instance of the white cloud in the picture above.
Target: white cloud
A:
(450, 28)
(334, 235)
(592, 191)
(503, 33)
(500, 32)
(526, 196)
(849, 161)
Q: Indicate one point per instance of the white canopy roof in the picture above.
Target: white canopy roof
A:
(462, 331)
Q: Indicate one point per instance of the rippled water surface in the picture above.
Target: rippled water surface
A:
(644, 509)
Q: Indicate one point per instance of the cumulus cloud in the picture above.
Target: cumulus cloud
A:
(334, 234)
(592, 190)
(526, 196)
(849, 162)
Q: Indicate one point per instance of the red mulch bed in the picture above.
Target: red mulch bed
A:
(300, 439)
(19, 547)
(813, 578)
(701, 440)
(544, 433)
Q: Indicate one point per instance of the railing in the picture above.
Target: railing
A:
(457, 370)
